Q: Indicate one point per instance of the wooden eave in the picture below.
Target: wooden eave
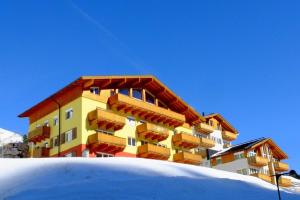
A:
(148, 82)
(223, 122)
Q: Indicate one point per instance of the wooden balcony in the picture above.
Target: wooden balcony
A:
(38, 134)
(207, 142)
(285, 182)
(281, 167)
(185, 140)
(37, 152)
(101, 142)
(188, 158)
(152, 132)
(153, 152)
(264, 177)
(146, 111)
(257, 161)
(106, 120)
(227, 135)
(204, 128)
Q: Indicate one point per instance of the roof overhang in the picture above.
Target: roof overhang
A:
(148, 82)
(223, 121)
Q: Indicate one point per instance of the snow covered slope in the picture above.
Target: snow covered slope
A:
(125, 178)
(9, 137)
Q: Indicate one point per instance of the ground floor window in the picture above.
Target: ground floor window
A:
(71, 154)
(104, 155)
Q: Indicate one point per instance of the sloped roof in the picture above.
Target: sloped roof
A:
(222, 120)
(148, 82)
(252, 144)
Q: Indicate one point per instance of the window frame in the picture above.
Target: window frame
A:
(70, 110)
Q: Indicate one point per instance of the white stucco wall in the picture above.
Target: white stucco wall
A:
(234, 165)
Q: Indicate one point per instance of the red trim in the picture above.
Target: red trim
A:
(80, 148)
(124, 154)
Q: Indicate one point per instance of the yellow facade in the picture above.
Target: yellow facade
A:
(88, 102)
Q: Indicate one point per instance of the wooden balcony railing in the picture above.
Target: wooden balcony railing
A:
(153, 152)
(185, 140)
(106, 120)
(38, 134)
(187, 157)
(101, 142)
(204, 128)
(146, 111)
(152, 132)
(257, 161)
(285, 182)
(227, 135)
(281, 167)
(262, 176)
(207, 142)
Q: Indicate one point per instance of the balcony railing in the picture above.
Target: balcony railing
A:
(106, 120)
(281, 167)
(257, 161)
(146, 111)
(188, 158)
(285, 182)
(207, 142)
(262, 176)
(152, 132)
(39, 133)
(227, 135)
(101, 142)
(204, 128)
(185, 140)
(153, 152)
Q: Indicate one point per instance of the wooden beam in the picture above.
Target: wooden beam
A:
(105, 84)
(88, 84)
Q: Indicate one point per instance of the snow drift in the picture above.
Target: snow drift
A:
(125, 178)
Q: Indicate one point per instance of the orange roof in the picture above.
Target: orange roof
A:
(148, 82)
(222, 120)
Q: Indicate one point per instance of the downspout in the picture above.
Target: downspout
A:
(59, 126)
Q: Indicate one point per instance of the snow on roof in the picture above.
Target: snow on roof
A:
(126, 178)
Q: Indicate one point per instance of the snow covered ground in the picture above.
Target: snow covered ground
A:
(126, 178)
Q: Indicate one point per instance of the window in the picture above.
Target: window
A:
(95, 90)
(69, 113)
(104, 155)
(124, 91)
(239, 155)
(210, 122)
(245, 171)
(131, 121)
(55, 121)
(219, 161)
(86, 153)
(69, 136)
(150, 98)
(161, 104)
(144, 142)
(131, 141)
(55, 141)
(253, 171)
(251, 153)
(72, 154)
(137, 93)
(46, 123)
(112, 92)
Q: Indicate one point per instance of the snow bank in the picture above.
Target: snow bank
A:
(125, 178)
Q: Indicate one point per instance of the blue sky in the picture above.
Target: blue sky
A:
(238, 58)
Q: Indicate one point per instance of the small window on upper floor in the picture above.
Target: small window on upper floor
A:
(46, 123)
(95, 90)
(69, 113)
(131, 121)
(55, 121)
(211, 122)
(137, 93)
(150, 98)
(124, 91)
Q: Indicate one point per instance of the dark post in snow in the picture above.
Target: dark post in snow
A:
(292, 173)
